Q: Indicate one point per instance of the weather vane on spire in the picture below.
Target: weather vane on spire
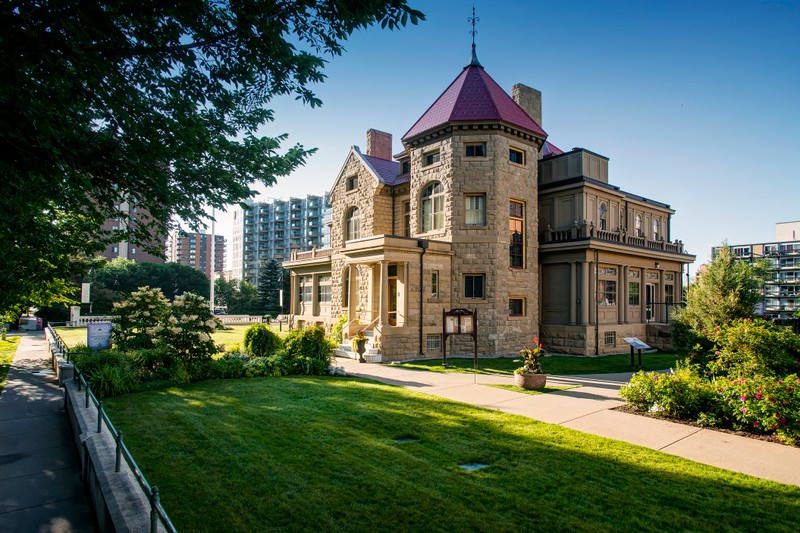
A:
(474, 20)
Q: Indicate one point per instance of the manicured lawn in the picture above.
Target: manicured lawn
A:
(319, 454)
(8, 348)
(552, 364)
(74, 336)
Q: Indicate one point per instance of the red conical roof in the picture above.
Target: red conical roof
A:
(474, 96)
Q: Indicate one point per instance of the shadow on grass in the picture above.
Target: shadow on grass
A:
(319, 453)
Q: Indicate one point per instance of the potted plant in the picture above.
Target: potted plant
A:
(359, 343)
(531, 375)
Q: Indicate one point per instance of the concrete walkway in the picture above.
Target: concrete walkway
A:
(40, 485)
(589, 409)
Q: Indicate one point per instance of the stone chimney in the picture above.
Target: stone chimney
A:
(379, 144)
(529, 99)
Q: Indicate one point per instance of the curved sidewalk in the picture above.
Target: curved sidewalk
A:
(589, 408)
(40, 485)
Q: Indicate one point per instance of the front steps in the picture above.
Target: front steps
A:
(372, 354)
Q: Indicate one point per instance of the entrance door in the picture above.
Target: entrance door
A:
(650, 296)
(392, 301)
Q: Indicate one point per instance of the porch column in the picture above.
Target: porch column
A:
(314, 292)
(626, 296)
(351, 296)
(384, 299)
(622, 304)
(573, 296)
(643, 295)
(592, 288)
(584, 293)
(293, 307)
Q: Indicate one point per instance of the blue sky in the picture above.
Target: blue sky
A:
(695, 103)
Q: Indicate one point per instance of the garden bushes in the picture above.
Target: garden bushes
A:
(260, 341)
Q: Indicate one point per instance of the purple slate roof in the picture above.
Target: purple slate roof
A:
(387, 171)
(473, 96)
(551, 149)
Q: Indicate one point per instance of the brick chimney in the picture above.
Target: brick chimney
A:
(529, 99)
(379, 144)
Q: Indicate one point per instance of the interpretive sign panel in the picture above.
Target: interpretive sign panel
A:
(636, 343)
(98, 336)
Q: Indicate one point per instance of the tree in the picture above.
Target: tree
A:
(270, 283)
(726, 290)
(149, 101)
(115, 281)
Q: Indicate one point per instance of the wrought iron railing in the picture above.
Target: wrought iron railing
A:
(157, 512)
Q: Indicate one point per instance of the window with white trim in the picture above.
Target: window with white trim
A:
(353, 224)
(432, 200)
(475, 209)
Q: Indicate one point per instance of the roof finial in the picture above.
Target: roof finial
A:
(473, 20)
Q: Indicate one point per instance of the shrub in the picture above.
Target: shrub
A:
(257, 367)
(108, 372)
(260, 341)
(764, 405)
(228, 367)
(160, 364)
(138, 314)
(682, 394)
(755, 347)
(336, 332)
(186, 332)
(308, 351)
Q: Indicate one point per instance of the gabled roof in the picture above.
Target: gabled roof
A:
(474, 96)
(386, 171)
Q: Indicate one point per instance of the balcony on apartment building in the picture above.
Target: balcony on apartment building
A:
(587, 231)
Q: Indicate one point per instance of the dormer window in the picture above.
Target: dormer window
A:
(352, 183)
(432, 157)
(475, 150)
(406, 167)
(516, 155)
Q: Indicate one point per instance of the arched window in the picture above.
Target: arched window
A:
(432, 207)
(353, 229)
(638, 226)
(603, 216)
(655, 229)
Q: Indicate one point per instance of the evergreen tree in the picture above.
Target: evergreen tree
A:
(270, 282)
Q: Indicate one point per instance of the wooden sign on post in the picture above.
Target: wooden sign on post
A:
(459, 322)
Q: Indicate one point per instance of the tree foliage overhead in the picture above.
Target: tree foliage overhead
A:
(152, 100)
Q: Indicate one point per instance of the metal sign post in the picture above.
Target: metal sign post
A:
(638, 345)
(459, 322)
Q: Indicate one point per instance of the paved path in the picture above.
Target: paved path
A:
(589, 409)
(40, 486)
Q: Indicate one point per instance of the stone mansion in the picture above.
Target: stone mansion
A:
(479, 211)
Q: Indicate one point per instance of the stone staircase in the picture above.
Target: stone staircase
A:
(372, 354)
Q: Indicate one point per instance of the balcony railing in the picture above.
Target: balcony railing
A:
(588, 231)
(314, 253)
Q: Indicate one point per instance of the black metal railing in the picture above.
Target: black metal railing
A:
(662, 313)
(157, 512)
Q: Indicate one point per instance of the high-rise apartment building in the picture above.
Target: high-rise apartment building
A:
(195, 250)
(271, 229)
(782, 288)
(127, 249)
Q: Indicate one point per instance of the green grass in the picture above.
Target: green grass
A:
(303, 454)
(8, 348)
(544, 390)
(552, 364)
(74, 336)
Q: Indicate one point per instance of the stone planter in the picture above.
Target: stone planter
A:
(361, 347)
(530, 381)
